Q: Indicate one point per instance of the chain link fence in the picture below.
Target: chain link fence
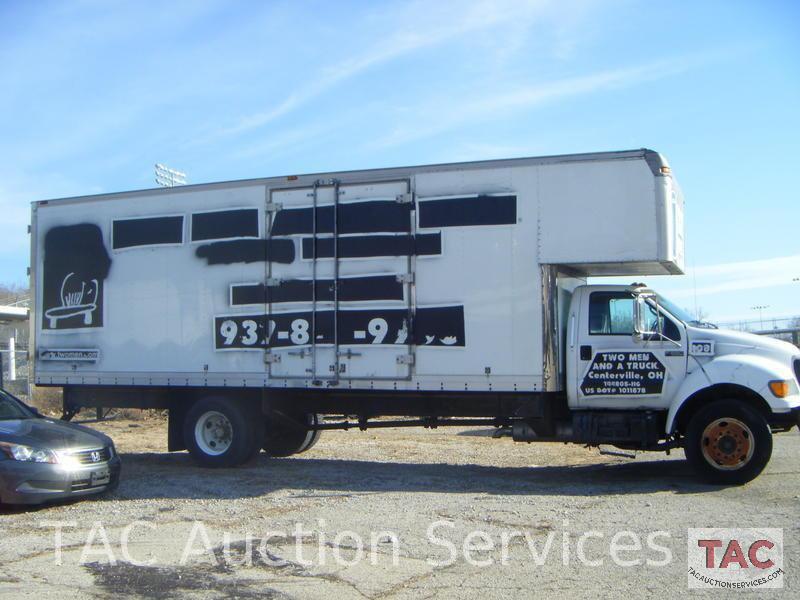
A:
(14, 368)
(785, 328)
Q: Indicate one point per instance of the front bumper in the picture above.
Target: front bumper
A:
(35, 483)
(785, 420)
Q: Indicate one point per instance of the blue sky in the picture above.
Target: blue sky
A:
(92, 93)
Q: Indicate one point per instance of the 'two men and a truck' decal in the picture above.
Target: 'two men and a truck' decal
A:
(624, 373)
(77, 263)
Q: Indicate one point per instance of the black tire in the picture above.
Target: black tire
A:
(728, 442)
(239, 427)
(285, 439)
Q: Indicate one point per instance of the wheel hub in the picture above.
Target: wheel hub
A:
(727, 444)
(213, 433)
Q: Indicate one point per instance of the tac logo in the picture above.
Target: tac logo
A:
(735, 558)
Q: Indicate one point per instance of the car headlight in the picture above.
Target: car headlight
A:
(28, 453)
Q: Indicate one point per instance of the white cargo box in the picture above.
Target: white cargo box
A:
(418, 278)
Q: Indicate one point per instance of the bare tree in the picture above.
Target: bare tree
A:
(11, 293)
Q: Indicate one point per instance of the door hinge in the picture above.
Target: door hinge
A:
(270, 358)
(405, 278)
(348, 354)
(406, 198)
(273, 207)
(405, 359)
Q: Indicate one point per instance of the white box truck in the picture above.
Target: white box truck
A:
(451, 294)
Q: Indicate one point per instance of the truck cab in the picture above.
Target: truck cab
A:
(721, 392)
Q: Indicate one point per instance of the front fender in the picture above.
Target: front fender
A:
(748, 371)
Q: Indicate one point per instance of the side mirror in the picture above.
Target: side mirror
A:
(640, 329)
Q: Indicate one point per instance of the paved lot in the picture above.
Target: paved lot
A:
(380, 492)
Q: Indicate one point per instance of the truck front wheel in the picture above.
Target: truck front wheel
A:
(290, 436)
(222, 432)
(728, 442)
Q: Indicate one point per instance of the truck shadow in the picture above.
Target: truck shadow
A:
(153, 475)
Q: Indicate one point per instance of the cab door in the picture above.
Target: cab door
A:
(614, 368)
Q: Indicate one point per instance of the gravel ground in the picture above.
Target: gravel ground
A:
(364, 502)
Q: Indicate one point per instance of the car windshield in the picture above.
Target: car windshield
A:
(680, 313)
(11, 409)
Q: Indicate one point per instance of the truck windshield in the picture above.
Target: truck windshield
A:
(10, 409)
(680, 313)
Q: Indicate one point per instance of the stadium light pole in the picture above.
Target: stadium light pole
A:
(760, 308)
(167, 177)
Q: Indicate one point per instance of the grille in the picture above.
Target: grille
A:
(87, 457)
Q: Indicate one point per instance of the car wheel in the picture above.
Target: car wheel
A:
(728, 442)
(222, 432)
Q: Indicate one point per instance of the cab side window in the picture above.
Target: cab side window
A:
(610, 313)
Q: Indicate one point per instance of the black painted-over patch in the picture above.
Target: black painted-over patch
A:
(468, 211)
(147, 231)
(374, 216)
(247, 251)
(76, 263)
(351, 289)
(375, 246)
(225, 224)
(434, 326)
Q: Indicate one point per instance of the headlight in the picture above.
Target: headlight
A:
(27, 453)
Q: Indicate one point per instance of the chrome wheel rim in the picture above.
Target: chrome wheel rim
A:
(213, 433)
(727, 444)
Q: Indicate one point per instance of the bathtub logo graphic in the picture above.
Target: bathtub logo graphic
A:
(82, 302)
(76, 263)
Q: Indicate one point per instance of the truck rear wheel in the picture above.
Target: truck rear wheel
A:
(286, 438)
(222, 432)
(728, 442)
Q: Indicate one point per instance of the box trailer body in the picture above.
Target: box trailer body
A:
(435, 291)
(443, 274)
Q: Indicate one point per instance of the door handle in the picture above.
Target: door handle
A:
(572, 331)
(586, 353)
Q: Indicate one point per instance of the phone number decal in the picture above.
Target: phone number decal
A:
(432, 326)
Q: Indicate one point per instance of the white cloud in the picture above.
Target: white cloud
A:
(435, 117)
(421, 25)
(724, 278)
(728, 291)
